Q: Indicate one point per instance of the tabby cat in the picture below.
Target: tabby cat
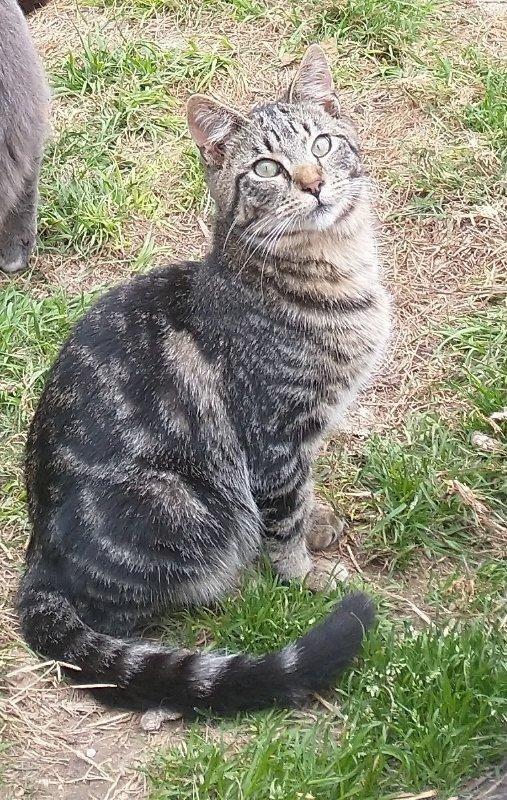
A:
(24, 99)
(176, 432)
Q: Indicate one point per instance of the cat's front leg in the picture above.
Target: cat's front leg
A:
(17, 235)
(288, 518)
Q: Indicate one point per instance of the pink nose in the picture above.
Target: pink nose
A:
(309, 178)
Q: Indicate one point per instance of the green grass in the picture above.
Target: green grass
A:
(190, 190)
(385, 28)
(477, 590)
(141, 64)
(479, 375)
(241, 10)
(444, 178)
(92, 190)
(265, 615)
(31, 333)
(409, 477)
(488, 114)
(86, 206)
(143, 9)
(423, 709)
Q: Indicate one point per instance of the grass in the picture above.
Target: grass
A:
(478, 591)
(386, 28)
(409, 478)
(266, 615)
(92, 189)
(31, 333)
(488, 115)
(443, 178)
(86, 207)
(241, 10)
(141, 64)
(424, 709)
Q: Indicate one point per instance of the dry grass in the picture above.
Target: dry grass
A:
(60, 745)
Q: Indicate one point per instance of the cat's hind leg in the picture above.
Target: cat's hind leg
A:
(19, 228)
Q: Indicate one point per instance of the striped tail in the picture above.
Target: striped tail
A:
(141, 675)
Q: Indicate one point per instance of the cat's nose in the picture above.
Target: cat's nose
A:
(309, 178)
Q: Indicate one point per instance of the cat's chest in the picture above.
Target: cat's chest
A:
(297, 379)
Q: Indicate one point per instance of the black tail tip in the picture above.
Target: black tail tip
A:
(360, 606)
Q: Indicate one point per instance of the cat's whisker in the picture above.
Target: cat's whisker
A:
(277, 238)
(260, 245)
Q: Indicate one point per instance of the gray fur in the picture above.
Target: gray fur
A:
(177, 430)
(24, 100)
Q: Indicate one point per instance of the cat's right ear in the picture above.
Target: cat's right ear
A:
(211, 124)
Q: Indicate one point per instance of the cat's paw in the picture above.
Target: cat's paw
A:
(325, 576)
(14, 255)
(326, 527)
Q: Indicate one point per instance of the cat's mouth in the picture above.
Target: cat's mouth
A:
(322, 216)
(325, 215)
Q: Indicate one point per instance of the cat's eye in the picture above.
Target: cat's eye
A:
(321, 145)
(267, 168)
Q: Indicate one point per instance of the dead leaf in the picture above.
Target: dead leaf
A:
(485, 518)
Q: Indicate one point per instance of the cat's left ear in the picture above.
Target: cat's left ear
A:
(211, 124)
(314, 82)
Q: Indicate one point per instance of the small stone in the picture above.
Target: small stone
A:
(484, 442)
(152, 720)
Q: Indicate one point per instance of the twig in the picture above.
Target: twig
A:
(353, 559)
(421, 614)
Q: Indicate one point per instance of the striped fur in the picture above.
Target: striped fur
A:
(176, 433)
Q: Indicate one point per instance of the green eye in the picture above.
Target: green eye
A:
(267, 168)
(321, 145)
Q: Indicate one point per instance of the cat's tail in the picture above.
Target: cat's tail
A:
(141, 674)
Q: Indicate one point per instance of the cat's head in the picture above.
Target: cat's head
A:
(288, 166)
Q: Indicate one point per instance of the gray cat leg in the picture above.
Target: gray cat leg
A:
(17, 235)
(288, 519)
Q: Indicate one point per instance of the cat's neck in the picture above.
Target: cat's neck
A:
(330, 262)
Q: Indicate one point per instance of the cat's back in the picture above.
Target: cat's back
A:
(130, 323)
(112, 358)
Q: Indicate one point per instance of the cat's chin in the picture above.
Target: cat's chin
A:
(321, 218)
